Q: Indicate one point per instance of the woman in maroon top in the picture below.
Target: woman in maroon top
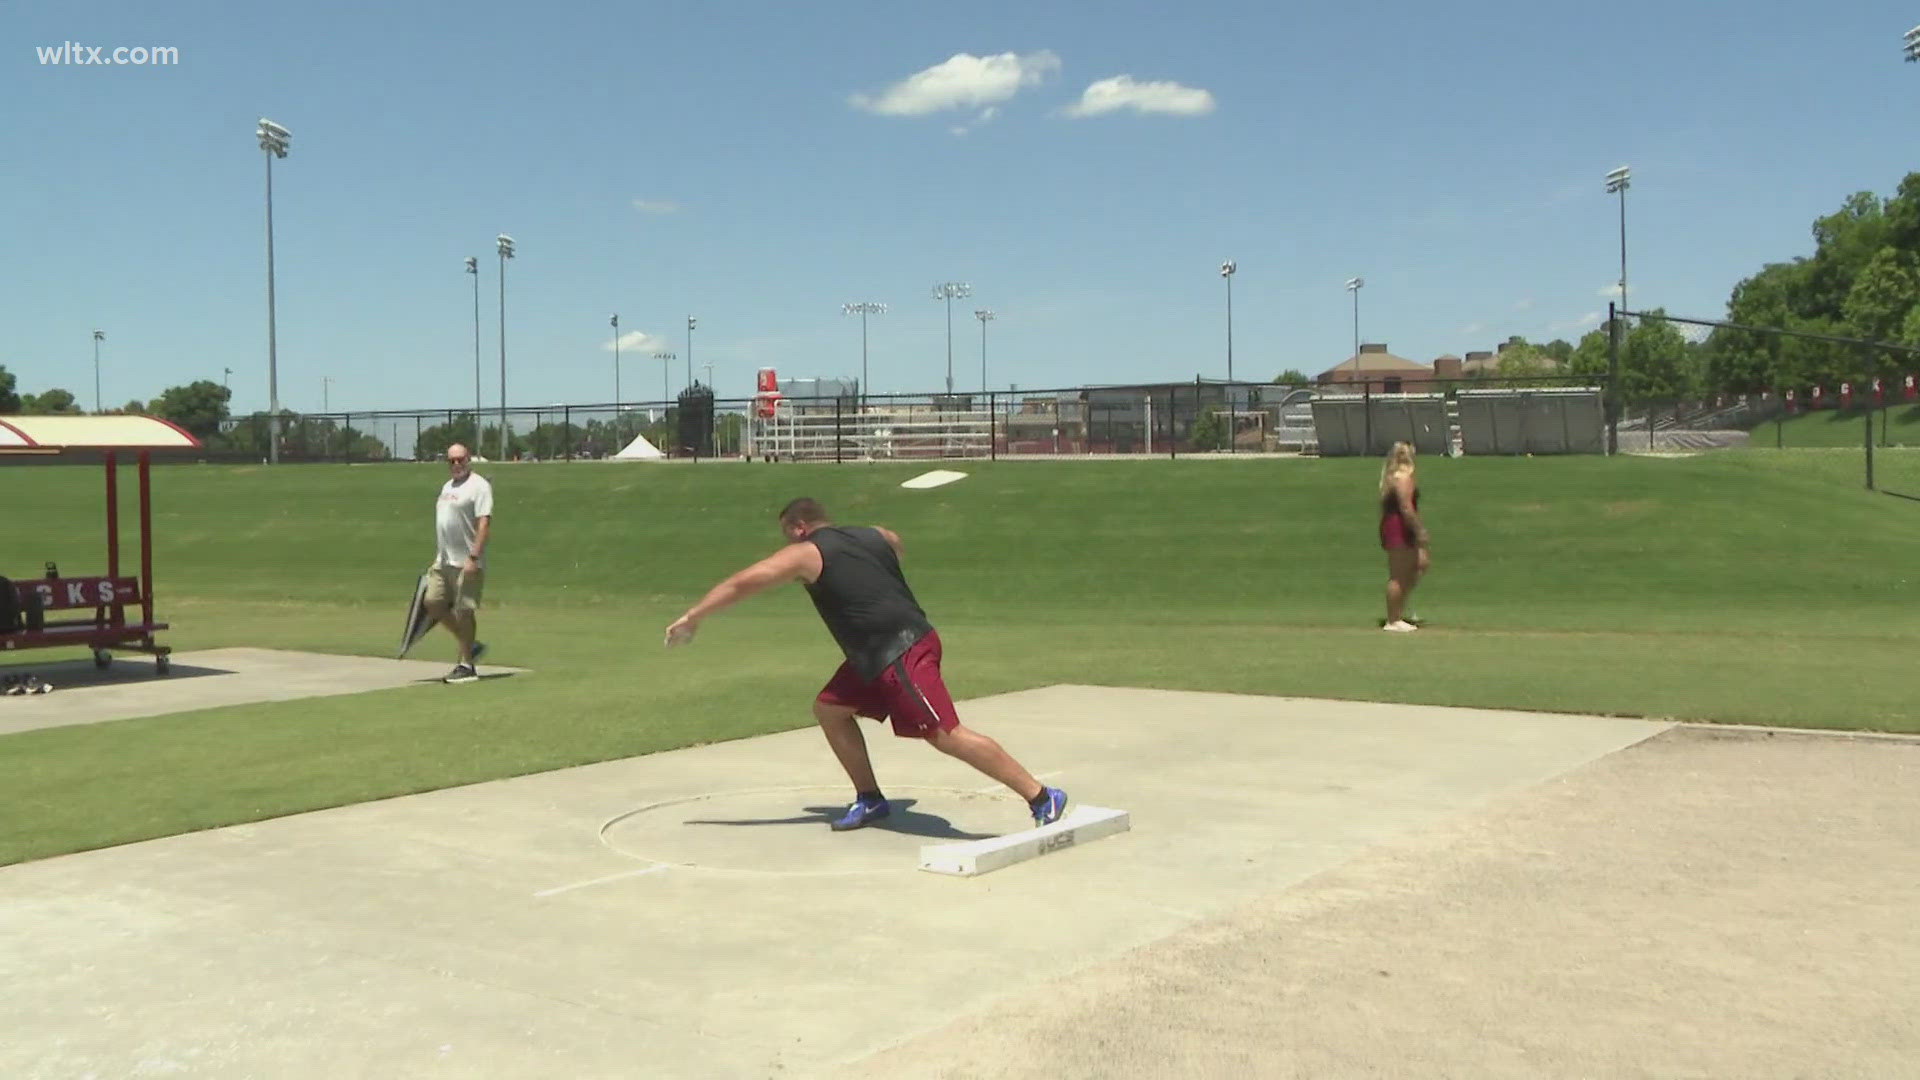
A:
(1402, 534)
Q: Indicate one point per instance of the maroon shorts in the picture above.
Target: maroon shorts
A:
(1394, 533)
(910, 692)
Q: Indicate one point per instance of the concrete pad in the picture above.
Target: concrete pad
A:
(689, 914)
(1710, 903)
(84, 694)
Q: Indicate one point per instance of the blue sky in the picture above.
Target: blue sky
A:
(757, 166)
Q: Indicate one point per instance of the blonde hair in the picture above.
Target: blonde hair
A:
(1399, 460)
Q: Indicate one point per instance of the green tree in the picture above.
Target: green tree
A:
(433, 441)
(50, 402)
(1656, 362)
(1209, 430)
(199, 407)
(9, 401)
(1883, 294)
(1292, 377)
(1744, 361)
(1903, 215)
(1590, 358)
(1846, 240)
(1519, 359)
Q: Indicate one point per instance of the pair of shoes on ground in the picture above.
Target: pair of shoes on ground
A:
(1046, 809)
(464, 673)
(27, 684)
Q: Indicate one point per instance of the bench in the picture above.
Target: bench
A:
(106, 628)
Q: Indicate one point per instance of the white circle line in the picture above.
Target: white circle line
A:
(618, 818)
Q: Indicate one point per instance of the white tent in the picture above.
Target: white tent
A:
(640, 450)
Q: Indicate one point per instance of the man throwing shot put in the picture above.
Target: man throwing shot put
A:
(892, 667)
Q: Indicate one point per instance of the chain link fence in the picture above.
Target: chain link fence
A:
(1485, 415)
(1805, 390)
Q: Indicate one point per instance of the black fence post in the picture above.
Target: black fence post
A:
(1866, 414)
(993, 426)
(1174, 406)
(836, 429)
(1613, 382)
(1366, 415)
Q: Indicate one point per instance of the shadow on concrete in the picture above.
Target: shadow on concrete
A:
(73, 674)
(904, 819)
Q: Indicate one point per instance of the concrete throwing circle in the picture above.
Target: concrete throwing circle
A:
(785, 830)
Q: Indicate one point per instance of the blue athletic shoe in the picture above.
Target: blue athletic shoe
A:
(862, 812)
(1049, 807)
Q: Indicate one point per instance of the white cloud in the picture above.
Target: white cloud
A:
(1610, 292)
(1524, 305)
(1121, 92)
(986, 117)
(656, 206)
(1591, 318)
(962, 81)
(1474, 328)
(639, 341)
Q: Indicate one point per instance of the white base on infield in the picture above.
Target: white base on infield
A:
(934, 479)
(1081, 824)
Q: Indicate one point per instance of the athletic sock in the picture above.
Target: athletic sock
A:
(871, 797)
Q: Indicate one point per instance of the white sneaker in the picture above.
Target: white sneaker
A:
(1400, 626)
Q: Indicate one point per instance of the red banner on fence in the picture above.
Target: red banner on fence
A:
(1913, 389)
(1879, 392)
(1846, 395)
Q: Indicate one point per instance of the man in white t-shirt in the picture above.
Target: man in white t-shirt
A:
(462, 521)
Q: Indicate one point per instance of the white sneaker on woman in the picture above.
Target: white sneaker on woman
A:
(1400, 626)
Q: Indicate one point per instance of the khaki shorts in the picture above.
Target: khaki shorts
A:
(458, 590)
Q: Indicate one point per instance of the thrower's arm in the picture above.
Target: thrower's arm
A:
(795, 562)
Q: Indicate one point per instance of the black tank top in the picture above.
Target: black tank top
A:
(863, 598)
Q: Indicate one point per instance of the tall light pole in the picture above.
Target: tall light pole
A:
(665, 394)
(473, 267)
(863, 308)
(1227, 270)
(505, 245)
(98, 337)
(274, 140)
(690, 321)
(1617, 183)
(616, 359)
(225, 374)
(984, 315)
(326, 402)
(1354, 285)
(1913, 45)
(949, 291)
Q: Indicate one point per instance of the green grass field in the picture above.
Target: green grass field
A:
(1766, 588)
